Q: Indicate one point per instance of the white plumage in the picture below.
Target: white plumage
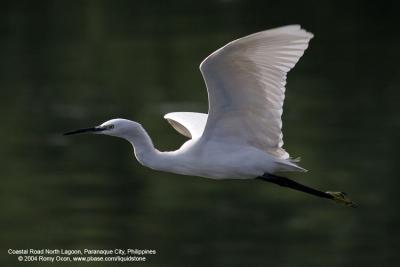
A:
(189, 124)
(241, 136)
(246, 87)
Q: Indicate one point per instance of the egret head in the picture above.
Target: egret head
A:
(115, 127)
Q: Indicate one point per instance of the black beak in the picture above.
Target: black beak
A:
(86, 130)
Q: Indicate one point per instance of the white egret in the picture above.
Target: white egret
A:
(241, 135)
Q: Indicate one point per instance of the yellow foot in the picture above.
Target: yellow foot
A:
(342, 198)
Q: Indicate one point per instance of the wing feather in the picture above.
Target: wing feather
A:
(189, 124)
(246, 82)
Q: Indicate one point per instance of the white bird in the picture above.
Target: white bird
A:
(241, 135)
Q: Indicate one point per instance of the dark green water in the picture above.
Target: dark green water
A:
(72, 64)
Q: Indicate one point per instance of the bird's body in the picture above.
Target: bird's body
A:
(241, 135)
(212, 159)
(220, 160)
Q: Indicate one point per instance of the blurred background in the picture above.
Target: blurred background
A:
(72, 64)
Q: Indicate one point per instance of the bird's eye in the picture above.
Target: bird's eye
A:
(111, 126)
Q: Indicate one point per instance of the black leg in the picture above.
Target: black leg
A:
(282, 181)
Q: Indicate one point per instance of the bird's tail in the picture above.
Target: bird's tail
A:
(290, 165)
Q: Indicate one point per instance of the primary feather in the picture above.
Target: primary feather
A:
(246, 87)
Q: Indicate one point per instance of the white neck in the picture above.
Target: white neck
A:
(145, 152)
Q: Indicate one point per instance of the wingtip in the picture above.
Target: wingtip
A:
(310, 34)
(295, 29)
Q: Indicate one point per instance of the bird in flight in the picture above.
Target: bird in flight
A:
(241, 136)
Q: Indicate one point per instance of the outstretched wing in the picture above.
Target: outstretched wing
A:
(189, 124)
(246, 81)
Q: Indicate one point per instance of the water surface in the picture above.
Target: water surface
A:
(66, 65)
